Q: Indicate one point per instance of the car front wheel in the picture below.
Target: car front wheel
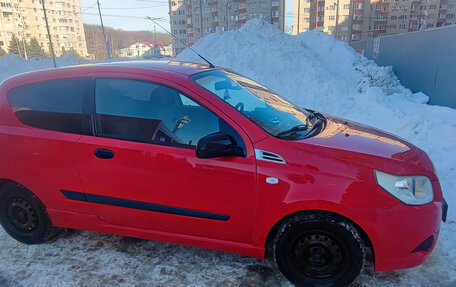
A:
(318, 249)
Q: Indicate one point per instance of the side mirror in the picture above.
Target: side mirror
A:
(218, 145)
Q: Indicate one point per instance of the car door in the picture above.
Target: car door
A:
(141, 169)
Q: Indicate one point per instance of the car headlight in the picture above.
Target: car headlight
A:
(410, 189)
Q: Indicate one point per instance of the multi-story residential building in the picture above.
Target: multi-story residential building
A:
(192, 19)
(25, 19)
(354, 20)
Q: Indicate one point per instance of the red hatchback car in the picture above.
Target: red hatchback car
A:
(189, 154)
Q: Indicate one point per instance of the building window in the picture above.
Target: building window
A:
(356, 37)
(347, 6)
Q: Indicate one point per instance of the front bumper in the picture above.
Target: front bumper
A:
(400, 235)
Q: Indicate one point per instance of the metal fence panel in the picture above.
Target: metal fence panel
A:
(423, 61)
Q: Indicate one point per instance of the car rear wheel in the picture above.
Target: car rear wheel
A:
(23, 215)
(318, 249)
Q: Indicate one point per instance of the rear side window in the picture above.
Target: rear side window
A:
(52, 105)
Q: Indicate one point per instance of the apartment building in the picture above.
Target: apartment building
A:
(192, 19)
(355, 20)
(25, 19)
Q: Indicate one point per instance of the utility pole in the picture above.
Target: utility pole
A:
(51, 48)
(201, 18)
(108, 52)
(299, 16)
(226, 15)
(23, 38)
(271, 12)
(337, 19)
(16, 32)
(351, 15)
(155, 31)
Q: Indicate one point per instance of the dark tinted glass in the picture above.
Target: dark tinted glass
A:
(148, 112)
(52, 105)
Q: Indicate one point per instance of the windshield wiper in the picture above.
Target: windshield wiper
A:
(293, 130)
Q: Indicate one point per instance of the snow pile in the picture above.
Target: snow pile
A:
(315, 71)
(12, 65)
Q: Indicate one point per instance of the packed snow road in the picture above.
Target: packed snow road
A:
(312, 70)
(82, 258)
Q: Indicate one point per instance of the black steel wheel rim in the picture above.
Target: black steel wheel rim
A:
(319, 255)
(21, 215)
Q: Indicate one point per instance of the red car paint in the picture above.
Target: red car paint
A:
(333, 171)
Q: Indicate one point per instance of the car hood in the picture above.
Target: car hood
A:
(366, 145)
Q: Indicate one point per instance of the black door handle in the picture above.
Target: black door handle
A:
(104, 153)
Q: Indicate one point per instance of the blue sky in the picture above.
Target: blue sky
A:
(133, 12)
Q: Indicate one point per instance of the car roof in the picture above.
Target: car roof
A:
(176, 67)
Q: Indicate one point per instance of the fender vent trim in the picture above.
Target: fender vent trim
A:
(268, 156)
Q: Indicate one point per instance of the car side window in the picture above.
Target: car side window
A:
(148, 112)
(53, 105)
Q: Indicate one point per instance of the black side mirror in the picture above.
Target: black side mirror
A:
(218, 145)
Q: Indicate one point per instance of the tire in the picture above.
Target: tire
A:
(23, 215)
(318, 249)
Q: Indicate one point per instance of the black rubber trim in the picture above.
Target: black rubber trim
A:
(107, 200)
(80, 196)
(444, 210)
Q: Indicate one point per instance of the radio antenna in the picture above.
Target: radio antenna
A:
(204, 59)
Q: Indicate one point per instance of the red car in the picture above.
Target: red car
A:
(195, 155)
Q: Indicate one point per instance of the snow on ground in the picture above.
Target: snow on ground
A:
(312, 70)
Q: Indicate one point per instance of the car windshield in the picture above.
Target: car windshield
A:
(265, 108)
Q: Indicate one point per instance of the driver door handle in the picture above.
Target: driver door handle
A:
(104, 153)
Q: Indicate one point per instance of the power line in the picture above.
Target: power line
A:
(128, 8)
(87, 8)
